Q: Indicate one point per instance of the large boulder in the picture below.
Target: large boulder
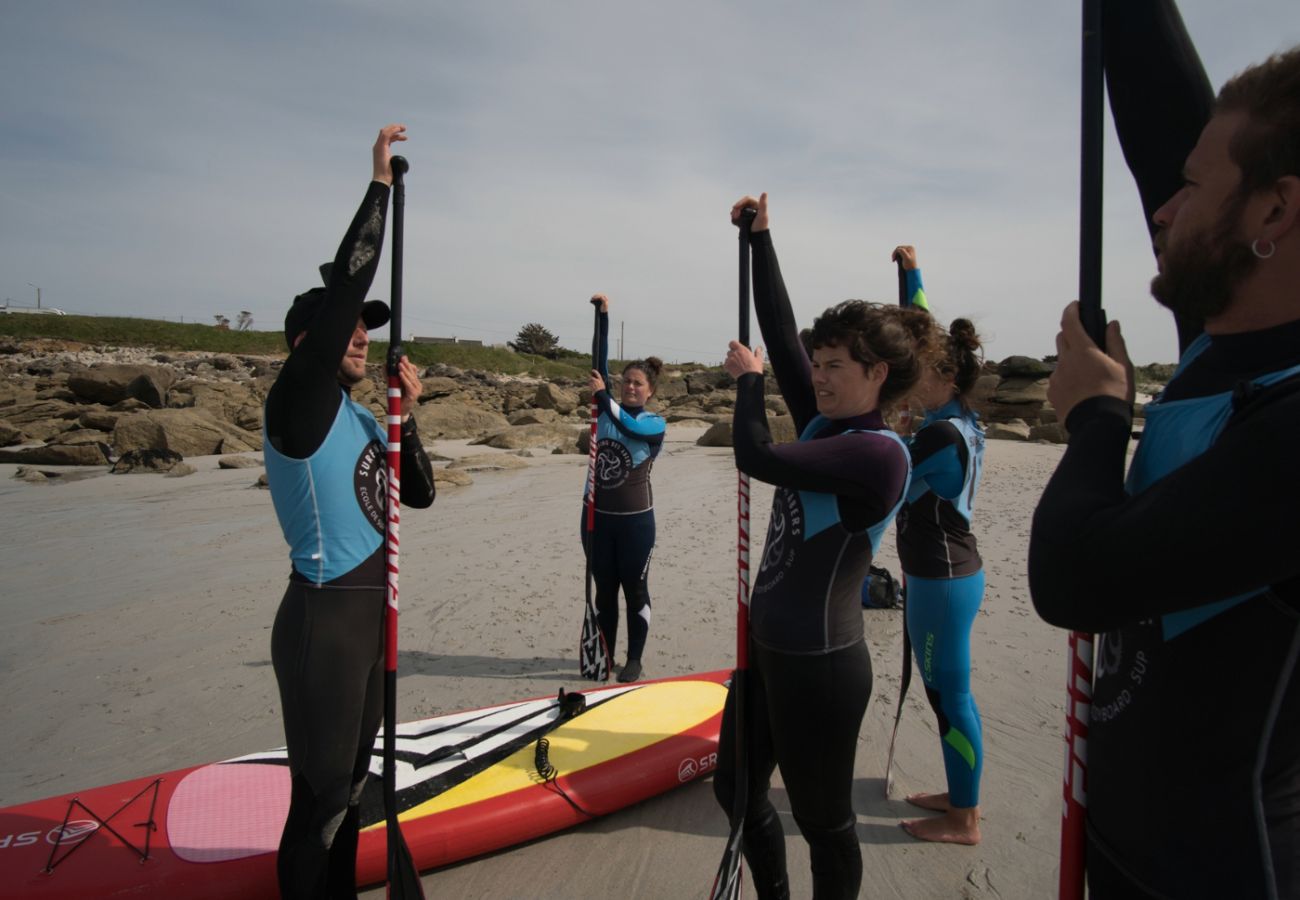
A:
(486, 462)
(109, 384)
(58, 455)
(1024, 367)
(670, 387)
(98, 418)
(82, 436)
(451, 418)
(534, 417)
(238, 462)
(454, 477)
(1053, 433)
(782, 428)
(9, 435)
(1015, 430)
(227, 400)
(552, 396)
(706, 382)
(435, 386)
(190, 432)
(40, 420)
(1021, 390)
(563, 438)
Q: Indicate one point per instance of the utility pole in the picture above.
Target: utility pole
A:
(38, 293)
(620, 339)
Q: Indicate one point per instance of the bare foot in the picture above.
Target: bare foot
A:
(936, 802)
(956, 826)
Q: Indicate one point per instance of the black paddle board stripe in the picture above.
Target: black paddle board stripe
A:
(419, 760)
(552, 720)
(372, 799)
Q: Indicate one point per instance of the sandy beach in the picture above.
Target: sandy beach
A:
(135, 638)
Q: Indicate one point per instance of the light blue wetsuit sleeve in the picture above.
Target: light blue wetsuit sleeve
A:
(916, 290)
(645, 427)
(941, 472)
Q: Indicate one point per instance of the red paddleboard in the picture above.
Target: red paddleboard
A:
(468, 783)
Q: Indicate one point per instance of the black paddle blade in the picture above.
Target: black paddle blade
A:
(902, 695)
(593, 656)
(403, 877)
(727, 883)
(593, 661)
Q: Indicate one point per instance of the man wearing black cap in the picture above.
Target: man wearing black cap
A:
(325, 465)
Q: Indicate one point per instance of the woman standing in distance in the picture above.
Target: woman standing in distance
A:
(838, 487)
(628, 438)
(945, 578)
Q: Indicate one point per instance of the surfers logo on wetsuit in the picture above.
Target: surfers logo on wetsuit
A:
(613, 465)
(784, 532)
(1119, 677)
(370, 480)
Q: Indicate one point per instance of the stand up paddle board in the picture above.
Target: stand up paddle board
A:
(468, 783)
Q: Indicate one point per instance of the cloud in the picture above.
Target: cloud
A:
(190, 160)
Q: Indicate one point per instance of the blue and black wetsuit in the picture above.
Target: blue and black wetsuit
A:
(945, 583)
(628, 439)
(1187, 567)
(326, 469)
(809, 679)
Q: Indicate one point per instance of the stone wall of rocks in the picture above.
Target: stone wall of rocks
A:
(69, 404)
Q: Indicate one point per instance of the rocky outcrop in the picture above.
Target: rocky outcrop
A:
(719, 435)
(454, 418)
(190, 432)
(70, 397)
(550, 396)
(58, 455)
(563, 438)
(109, 384)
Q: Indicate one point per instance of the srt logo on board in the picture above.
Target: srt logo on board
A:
(74, 832)
(690, 767)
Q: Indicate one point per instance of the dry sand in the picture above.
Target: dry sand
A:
(135, 618)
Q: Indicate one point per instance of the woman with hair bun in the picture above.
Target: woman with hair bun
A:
(945, 578)
(628, 438)
(838, 488)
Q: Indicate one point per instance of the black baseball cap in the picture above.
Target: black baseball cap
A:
(374, 313)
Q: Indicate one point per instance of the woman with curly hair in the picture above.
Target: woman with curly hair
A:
(838, 488)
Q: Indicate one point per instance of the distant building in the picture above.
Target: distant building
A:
(31, 310)
(446, 340)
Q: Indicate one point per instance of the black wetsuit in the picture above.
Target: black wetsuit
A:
(1188, 572)
(327, 641)
(628, 440)
(810, 674)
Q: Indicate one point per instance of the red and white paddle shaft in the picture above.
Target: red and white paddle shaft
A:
(1075, 808)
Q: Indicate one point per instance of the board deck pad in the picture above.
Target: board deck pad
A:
(467, 784)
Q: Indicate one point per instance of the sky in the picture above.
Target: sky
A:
(187, 160)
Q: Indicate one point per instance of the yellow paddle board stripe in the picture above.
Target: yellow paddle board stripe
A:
(616, 727)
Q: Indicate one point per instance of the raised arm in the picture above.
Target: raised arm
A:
(776, 318)
(1161, 99)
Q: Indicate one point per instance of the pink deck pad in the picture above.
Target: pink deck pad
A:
(228, 811)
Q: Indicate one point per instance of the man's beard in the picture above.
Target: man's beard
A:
(347, 380)
(1202, 273)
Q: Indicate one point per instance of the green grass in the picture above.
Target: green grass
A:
(140, 333)
(126, 332)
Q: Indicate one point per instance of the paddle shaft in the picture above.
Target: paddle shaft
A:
(1079, 679)
(403, 879)
(595, 416)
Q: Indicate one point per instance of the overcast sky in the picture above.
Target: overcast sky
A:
(171, 160)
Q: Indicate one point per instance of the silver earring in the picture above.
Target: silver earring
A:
(1254, 248)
